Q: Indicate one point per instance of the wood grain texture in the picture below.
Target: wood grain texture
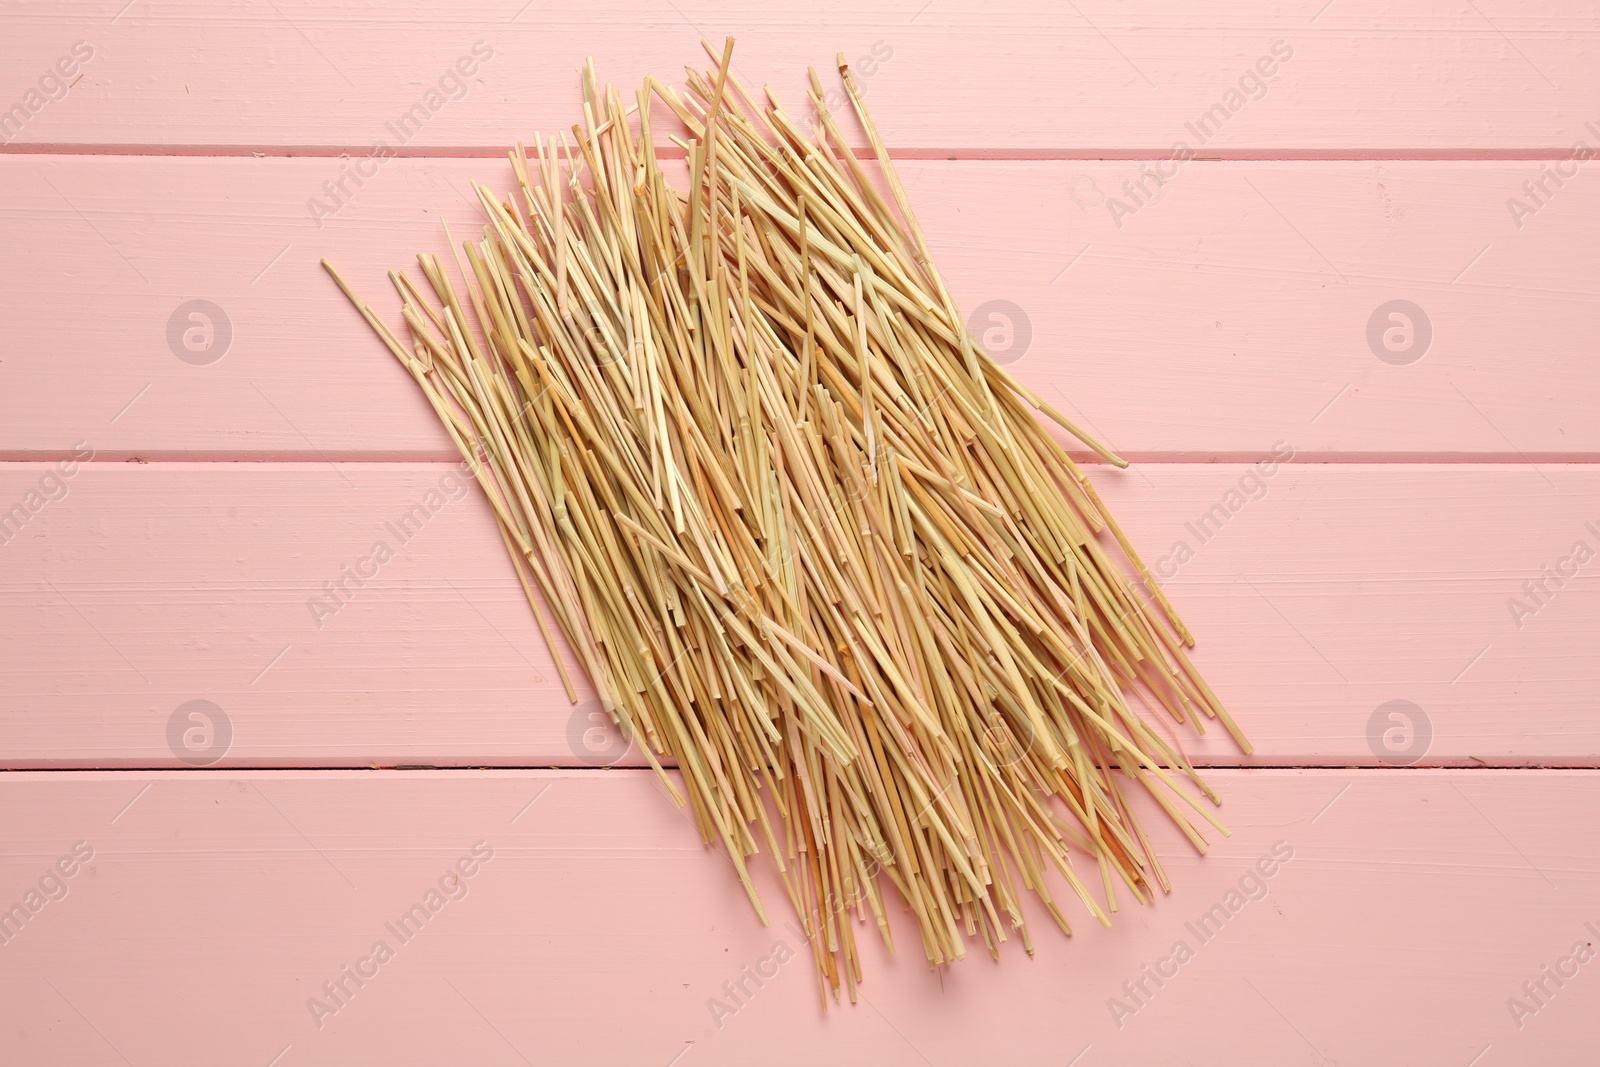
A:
(1229, 311)
(1206, 316)
(1318, 594)
(1414, 905)
(963, 77)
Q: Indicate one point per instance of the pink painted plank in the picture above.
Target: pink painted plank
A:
(1232, 311)
(956, 76)
(1328, 591)
(601, 932)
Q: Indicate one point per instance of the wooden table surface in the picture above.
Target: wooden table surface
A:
(227, 780)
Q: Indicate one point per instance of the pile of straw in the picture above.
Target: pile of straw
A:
(803, 535)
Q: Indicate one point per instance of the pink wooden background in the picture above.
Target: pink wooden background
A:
(1441, 859)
